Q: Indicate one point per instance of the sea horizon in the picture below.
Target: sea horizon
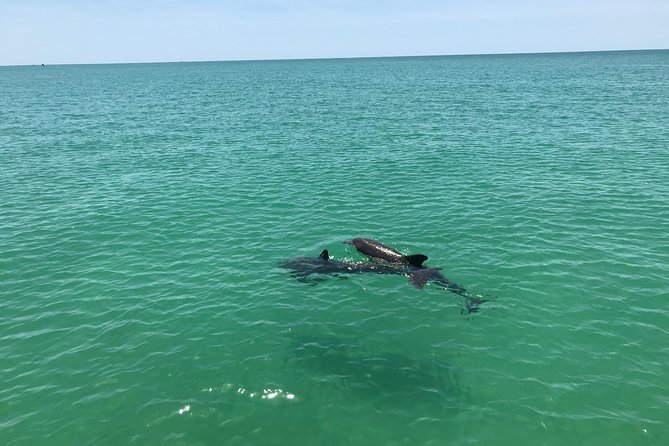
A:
(316, 58)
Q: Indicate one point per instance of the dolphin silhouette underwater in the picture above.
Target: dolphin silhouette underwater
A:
(303, 268)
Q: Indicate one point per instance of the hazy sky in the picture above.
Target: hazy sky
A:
(99, 31)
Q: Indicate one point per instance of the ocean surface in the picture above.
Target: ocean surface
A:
(145, 211)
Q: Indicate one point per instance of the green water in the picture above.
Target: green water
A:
(145, 210)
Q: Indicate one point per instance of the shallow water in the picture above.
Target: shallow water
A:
(146, 210)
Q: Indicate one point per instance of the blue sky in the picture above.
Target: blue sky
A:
(106, 31)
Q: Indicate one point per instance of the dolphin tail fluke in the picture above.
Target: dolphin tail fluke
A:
(416, 259)
(473, 304)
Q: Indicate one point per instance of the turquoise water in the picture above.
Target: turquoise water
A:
(146, 210)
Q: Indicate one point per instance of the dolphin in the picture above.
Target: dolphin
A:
(303, 267)
(377, 250)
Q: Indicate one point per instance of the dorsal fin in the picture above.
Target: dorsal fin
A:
(416, 259)
(324, 255)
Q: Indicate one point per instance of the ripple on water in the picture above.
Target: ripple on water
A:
(145, 215)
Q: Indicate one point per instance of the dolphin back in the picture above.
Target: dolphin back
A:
(377, 250)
